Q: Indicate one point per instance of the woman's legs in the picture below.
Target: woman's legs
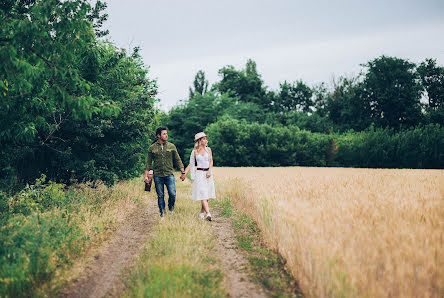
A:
(202, 211)
(205, 206)
(207, 209)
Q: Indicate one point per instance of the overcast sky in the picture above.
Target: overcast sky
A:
(289, 40)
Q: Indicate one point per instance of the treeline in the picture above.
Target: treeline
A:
(390, 115)
(73, 106)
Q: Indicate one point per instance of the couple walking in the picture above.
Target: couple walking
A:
(162, 155)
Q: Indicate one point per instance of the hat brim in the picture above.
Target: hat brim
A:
(199, 136)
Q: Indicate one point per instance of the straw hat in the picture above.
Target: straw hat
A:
(199, 135)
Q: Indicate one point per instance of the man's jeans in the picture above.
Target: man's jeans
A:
(170, 184)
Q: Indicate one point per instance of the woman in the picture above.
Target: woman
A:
(201, 167)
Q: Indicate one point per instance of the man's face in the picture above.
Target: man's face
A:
(164, 135)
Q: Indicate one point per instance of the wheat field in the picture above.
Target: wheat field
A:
(349, 232)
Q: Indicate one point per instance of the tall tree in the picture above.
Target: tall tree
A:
(40, 77)
(432, 79)
(200, 84)
(393, 91)
(346, 105)
(296, 96)
(59, 83)
(246, 85)
(320, 94)
(108, 147)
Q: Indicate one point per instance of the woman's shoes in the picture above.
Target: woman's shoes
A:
(208, 217)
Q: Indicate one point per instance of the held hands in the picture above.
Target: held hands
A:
(182, 177)
(148, 177)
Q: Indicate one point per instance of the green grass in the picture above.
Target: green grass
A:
(180, 280)
(244, 241)
(226, 208)
(45, 228)
(274, 278)
(179, 258)
(38, 235)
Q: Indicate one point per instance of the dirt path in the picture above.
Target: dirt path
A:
(234, 263)
(103, 276)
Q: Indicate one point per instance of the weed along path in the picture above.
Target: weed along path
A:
(238, 282)
(102, 277)
(251, 269)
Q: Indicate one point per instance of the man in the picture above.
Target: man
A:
(163, 154)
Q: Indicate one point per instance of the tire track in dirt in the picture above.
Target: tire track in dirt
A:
(234, 264)
(103, 276)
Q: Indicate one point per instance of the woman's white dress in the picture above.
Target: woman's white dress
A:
(203, 187)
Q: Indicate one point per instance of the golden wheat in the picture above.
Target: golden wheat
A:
(349, 232)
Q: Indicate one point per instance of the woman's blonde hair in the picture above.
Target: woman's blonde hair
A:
(196, 144)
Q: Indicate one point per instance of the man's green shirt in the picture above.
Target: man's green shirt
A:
(160, 159)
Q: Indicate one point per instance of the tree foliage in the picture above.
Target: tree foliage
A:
(294, 97)
(361, 121)
(432, 79)
(72, 106)
(347, 105)
(239, 143)
(194, 115)
(200, 85)
(419, 147)
(246, 85)
(393, 92)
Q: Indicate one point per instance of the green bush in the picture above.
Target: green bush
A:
(239, 143)
(33, 246)
(420, 147)
(38, 197)
(37, 234)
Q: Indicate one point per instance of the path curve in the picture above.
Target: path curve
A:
(103, 276)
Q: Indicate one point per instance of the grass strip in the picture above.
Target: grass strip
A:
(178, 260)
(266, 266)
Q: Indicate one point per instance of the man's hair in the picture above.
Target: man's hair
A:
(159, 130)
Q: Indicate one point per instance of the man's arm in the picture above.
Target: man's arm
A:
(148, 162)
(177, 160)
(179, 163)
